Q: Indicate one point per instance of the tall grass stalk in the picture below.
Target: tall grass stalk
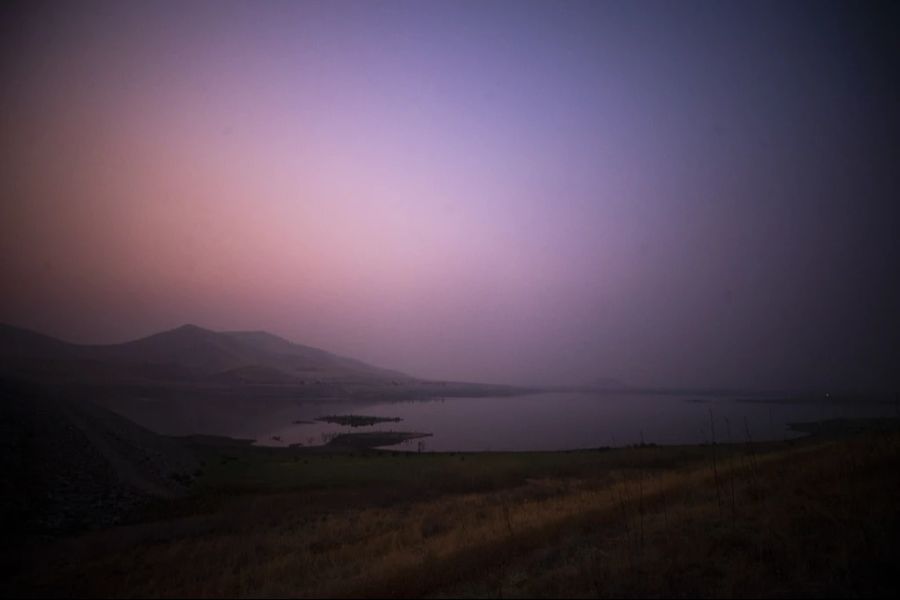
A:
(732, 472)
(712, 429)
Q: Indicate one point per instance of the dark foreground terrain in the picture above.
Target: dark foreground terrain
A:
(208, 517)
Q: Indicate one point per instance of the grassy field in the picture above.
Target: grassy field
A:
(812, 517)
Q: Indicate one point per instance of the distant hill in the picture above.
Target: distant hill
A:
(18, 342)
(187, 353)
(296, 357)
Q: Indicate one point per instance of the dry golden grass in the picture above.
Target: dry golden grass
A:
(817, 518)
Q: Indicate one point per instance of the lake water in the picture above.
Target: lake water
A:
(564, 421)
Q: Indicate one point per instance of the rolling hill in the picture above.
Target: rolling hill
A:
(188, 353)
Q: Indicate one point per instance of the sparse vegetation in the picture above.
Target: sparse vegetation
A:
(816, 516)
(374, 439)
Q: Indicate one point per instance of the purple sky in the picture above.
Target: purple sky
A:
(676, 193)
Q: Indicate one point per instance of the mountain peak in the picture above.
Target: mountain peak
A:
(192, 327)
(186, 330)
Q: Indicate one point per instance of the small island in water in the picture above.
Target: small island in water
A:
(357, 420)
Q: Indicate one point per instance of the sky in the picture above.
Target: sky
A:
(673, 193)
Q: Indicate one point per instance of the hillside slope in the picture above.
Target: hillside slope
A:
(70, 464)
(297, 357)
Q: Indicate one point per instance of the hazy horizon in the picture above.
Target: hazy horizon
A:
(680, 194)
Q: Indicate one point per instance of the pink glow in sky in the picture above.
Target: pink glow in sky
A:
(481, 191)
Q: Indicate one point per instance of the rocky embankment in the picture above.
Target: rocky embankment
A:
(70, 464)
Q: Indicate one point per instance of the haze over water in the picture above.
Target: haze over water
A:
(680, 194)
(562, 421)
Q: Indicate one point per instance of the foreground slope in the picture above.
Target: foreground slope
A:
(815, 517)
(69, 465)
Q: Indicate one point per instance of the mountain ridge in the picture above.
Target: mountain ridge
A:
(186, 352)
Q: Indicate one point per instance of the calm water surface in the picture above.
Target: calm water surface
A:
(564, 421)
